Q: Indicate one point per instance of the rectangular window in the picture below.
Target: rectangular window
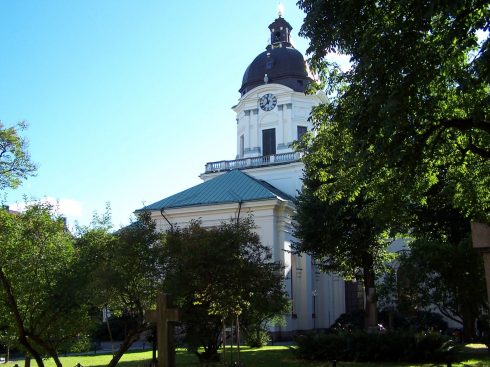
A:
(268, 142)
(242, 146)
(301, 131)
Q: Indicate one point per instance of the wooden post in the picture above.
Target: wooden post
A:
(162, 316)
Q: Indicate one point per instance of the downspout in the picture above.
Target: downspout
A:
(239, 210)
(164, 217)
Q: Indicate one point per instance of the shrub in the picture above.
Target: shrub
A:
(350, 321)
(321, 346)
(419, 321)
(257, 338)
(395, 346)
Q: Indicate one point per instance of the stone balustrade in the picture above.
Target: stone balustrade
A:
(252, 162)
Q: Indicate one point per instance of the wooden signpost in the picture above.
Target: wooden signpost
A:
(164, 317)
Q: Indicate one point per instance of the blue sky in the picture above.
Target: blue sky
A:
(126, 100)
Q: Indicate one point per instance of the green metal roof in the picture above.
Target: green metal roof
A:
(230, 187)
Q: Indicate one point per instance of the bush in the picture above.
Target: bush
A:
(257, 338)
(359, 346)
(419, 321)
(350, 321)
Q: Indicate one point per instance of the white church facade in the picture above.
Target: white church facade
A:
(264, 178)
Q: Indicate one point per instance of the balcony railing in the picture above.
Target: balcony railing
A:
(252, 162)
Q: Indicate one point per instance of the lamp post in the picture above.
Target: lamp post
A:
(314, 294)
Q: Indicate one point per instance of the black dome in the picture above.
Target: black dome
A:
(282, 65)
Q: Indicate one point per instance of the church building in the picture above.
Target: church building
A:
(265, 176)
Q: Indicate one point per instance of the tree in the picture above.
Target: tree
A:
(37, 264)
(125, 272)
(441, 268)
(220, 273)
(340, 238)
(415, 99)
(446, 275)
(15, 162)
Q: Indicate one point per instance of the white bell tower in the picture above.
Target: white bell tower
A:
(272, 112)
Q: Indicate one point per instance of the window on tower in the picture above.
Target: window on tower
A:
(301, 131)
(268, 142)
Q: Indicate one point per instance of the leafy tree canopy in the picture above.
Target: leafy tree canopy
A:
(220, 273)
(340, 238)
(38, 263)
(442, 269)
(124, 271)
(415, 101)
(15, 162)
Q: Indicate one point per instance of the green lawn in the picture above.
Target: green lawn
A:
(272, 356)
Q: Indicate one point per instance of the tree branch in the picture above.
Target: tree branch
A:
(466, 124)
(449, 315)
(479, 151)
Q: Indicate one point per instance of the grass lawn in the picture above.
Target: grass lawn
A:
(272, 356)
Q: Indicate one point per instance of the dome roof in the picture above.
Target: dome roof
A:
(281, 63)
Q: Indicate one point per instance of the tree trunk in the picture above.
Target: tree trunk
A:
(57, 360)
(110, 334)
(47, 348)
(19, 323)
(32, 352)
(371, 298)
(468, 325)
(127, 342)
(154, 348)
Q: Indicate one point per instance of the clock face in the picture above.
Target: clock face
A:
(268, 101)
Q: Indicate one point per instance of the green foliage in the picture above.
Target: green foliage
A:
(38, 263)
(377, 347)
(415, 101)
(15, 162)
(349, 321)
(338, 234)
(257, 338)
(124, 271)
(447, 275)
(221, 273)
(416, 322)
(441, 268)
(419, 321)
